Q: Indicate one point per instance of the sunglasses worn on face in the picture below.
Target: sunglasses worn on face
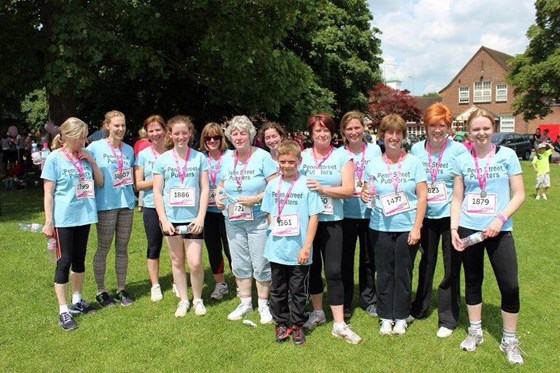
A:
(215, 138)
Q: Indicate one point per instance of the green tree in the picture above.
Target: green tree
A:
(35, 109)
(535, 74)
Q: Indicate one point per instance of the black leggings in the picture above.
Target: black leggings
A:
(502, 256)
(72, 242)
(327, 249)
(154, 234)
(354, 229)
(215, 239)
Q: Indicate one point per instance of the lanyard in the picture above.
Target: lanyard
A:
(156, 154)
(77, 164)
(181, 172)
(282, 202)
(235, 161)
(397, 178)
(318, 164)
(359, 171)
(119, 158)
(214, 170)
(434, 170)
(482, 178)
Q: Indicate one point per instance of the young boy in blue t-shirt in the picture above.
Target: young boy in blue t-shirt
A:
(293, 217)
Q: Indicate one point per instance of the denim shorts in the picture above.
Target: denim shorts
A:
(246, 245)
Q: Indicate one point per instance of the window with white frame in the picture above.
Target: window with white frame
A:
(482, 91)
(501, 92)
(463, 95)
(507, 123)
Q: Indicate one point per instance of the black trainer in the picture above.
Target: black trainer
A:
(123, 297)
(67, 322)
(81, 307)
(282, 333)
(104, 299)
(298, 336)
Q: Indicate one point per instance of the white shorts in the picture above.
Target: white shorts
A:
(543, 181)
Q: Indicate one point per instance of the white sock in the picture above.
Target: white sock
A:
(246, 301)
(339, 325)
(155, 286)
(263, 302)
(319, 312)
(475, 324)
(76, 297)
(62, 309)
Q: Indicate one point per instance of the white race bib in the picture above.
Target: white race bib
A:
(479, 205)
(394, 203)
(123, 177)
(328, 205)
(84, 189)
(181, 196)
(237, 211)
(437, 192)
(285, 225)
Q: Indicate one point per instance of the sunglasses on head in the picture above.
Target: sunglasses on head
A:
(215, 138)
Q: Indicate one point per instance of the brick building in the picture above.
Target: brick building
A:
(481, 84)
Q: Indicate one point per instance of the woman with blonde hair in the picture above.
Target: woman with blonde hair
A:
(69, 174)
(214, 145)
(115, 204)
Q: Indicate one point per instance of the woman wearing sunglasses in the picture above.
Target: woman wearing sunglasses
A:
(214, 146)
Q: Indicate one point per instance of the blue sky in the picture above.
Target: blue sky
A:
(426, 42)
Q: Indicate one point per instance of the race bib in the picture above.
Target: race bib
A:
(394, 203)
(358, 187)
(237, 211)
(327, 204)
(482, 205)
(285, 225)
(181, 196)
(212, 198)
(437, 192)
(123, 177)
(84, 189)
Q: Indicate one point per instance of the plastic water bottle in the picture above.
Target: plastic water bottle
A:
(45, 151)
(35, 154)
(31, 227)
(51, 249)
(182, 229)
(472, 239)
(371, 191)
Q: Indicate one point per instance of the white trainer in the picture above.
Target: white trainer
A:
(175, 291)
(240, 311)
(386, 327)
(156, 294)
(264, 312)
(400, 327)
(220, 290)
(198, 306)
(345, 332)
(444, 332)
(182, 308)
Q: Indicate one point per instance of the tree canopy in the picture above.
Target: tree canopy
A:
(206, 58)
(535, 74)
(384, 100)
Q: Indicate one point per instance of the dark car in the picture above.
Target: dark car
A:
(518, 142)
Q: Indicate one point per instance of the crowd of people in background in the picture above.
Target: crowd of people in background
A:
(283, 211)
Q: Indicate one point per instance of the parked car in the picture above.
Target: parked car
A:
(518, 142)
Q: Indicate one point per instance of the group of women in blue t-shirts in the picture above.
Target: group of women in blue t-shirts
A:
(394, 203)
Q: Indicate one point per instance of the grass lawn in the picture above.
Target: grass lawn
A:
(147, 337)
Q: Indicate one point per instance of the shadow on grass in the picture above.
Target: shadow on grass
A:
(21, 205)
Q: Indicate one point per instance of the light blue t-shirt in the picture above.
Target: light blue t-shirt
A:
(253, 182)
(109, 197)
(502, 165)
(301, 202)
(147, 160)
(328, 173)
(440, 203)
(354, 207)
(69, 211)
(412, 173)
(166, 165)
(213, 166)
